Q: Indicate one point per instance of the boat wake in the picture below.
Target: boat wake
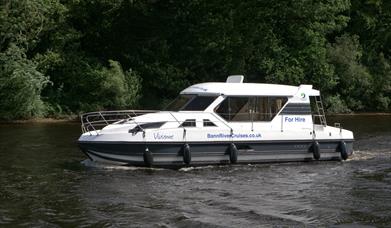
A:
(187, 169)
(361, 155)
(99, 165)
(378, 147)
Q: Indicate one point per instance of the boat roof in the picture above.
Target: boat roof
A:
(250, 89)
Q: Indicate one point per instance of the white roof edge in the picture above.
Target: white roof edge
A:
(249, 89)
(308, 90)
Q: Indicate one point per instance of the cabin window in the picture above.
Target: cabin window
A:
(199, 103)
(208, 123)
(266, 108)
(188, 123)
(179, 102)
(235, 109)
(190, 103)
(250, 108)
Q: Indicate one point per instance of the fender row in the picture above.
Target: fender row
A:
(233, 153)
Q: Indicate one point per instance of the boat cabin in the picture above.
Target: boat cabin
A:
(235, 102)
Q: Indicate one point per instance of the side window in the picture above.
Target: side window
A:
(208, 123)
(188, 123)
(235, 109)
(250, 108)
(277, 103)
(266, 108)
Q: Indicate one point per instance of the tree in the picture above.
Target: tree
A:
(354, 84)
(20, 86)
(107, 54)
(22, 24)
(371, 21)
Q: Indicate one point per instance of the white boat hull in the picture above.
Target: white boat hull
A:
(202, 153)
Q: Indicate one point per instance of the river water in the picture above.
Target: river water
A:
(45, 181)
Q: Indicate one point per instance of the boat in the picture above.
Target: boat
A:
(212, 123)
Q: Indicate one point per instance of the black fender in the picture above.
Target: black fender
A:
(316, 150)
(344, 151)
(148, 157)
(186, 154)
(233, 153)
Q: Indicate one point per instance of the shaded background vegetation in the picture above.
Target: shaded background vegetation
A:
(60, 57)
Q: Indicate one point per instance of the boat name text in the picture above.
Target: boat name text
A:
(161, 136)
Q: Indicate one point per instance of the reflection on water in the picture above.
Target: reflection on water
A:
(46, 181)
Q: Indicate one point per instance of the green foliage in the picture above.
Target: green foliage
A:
(335, 104)
(342, 47)
(354, 80)
(98, 87)
(371, 21)
(20, 86)
(381, 71)
(22, 24)
(118, 89)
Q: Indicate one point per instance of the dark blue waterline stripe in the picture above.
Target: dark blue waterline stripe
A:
(113, 159)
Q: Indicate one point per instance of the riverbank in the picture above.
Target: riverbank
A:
(75, 118)
(42, 120)
(361, 114)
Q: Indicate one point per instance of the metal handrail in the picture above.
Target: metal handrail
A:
(94, 121)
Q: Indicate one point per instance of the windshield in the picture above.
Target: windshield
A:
(190, 103)
(179, 102)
